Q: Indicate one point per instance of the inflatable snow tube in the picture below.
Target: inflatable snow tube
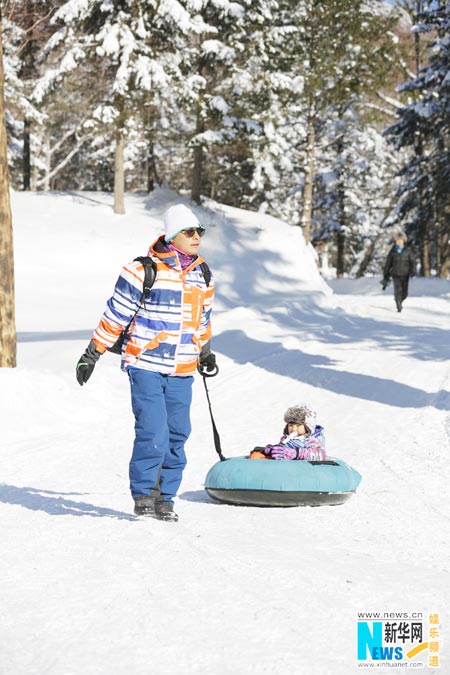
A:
(246, 482)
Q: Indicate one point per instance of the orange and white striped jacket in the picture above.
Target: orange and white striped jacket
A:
(170, 329)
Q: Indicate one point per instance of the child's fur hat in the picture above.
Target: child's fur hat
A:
(300, 414)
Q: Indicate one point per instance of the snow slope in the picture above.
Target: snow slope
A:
(87, 589)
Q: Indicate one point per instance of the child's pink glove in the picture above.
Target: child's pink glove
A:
(283, 452)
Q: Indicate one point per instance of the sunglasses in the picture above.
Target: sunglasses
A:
(192, 230)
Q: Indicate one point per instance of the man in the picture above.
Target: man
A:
(400, 265)
(169, 335)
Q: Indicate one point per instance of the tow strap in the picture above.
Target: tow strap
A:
(216, 436)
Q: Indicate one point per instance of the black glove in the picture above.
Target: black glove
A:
(86, 363)
(207, 359)
(384, 283)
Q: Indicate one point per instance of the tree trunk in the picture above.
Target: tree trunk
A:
(152, 172)
(7, 314)
(196, 187)
(119, 174)
(342, 215)
(197, 175)
(26, 158)
(444, 245)
(305, 222)
(28, 73)
(424, 246)
(48, 163)
(340, 254)
(213, 187)
(367, 257)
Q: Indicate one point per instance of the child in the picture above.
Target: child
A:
(302, 438)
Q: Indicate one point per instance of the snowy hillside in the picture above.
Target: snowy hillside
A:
(89, 590)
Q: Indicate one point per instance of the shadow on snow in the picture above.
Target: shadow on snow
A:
(51, 336)
(197, 496)
(318, 371)
(43, 500)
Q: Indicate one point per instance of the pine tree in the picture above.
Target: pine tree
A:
(346, 50)
(328, 58)
(422, 127)
(28, 30)
(211, 63)
(131, 45)
(355, 192)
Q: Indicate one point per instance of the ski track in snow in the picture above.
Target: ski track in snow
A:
(89, 589)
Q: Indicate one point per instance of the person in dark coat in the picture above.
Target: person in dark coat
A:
(400, 265)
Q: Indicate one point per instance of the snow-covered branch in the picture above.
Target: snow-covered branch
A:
(395, 103)
(64, 162)
(379, 108)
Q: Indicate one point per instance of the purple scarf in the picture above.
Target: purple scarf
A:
(184, 258)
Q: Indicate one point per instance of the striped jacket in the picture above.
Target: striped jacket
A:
(173, 324)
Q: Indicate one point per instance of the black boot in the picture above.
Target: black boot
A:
(164, 511)
(144, 506)
(399, 305)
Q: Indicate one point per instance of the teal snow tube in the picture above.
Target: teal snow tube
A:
(246, 482)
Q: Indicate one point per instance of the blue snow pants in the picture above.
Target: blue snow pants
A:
(161, 406)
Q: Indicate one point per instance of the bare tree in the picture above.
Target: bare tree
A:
(7, 315)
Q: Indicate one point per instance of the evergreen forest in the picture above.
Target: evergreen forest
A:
(333, 114)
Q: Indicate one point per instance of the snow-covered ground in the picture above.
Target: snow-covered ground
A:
(89, 590)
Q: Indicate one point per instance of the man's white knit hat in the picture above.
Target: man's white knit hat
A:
(177, 218)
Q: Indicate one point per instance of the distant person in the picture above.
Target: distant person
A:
(400, 265)
(302, 438)
(168, 336)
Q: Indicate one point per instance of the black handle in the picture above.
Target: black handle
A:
(203, 372)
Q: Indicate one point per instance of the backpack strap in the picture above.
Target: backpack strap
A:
(206, 272)
(150, 273)
(149, 280)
